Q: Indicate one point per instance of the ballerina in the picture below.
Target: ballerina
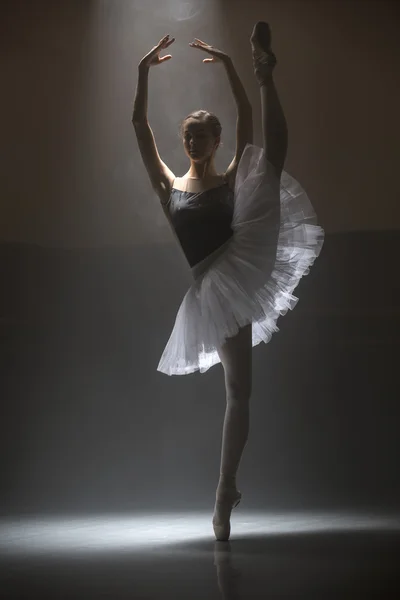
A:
(249, 235)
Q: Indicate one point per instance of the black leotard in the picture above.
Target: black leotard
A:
(202, 221)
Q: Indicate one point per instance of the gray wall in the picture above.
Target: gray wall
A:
(88, 423)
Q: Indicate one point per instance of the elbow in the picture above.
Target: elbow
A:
(138, 120)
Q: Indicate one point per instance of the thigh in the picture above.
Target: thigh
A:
(236, 359)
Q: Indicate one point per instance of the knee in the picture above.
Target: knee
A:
(238, 396)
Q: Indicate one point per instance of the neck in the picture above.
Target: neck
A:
(202, 170)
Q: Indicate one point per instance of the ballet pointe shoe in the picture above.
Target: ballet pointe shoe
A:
(261, 38)
(264, 60)
(226, 501)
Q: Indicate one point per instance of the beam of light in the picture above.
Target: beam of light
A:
(105, 533)
(185, 11)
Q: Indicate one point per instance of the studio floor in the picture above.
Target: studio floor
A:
(156, 556)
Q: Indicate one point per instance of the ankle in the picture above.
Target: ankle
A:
(227, 481)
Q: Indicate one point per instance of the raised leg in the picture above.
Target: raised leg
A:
(274, 126)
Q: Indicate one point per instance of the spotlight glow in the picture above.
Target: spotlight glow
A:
(104, 533)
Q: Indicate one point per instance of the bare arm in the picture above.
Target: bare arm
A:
(244, 123)
(161, 176)
(140, 103)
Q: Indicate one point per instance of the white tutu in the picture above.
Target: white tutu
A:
(250, 279)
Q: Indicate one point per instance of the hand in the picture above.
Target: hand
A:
(153, 57)
(217, 55)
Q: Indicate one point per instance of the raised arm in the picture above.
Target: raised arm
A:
(275, 132)
(244, 124)
(161, 176)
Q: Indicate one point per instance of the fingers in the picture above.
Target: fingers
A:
(199, 46)
(165, 42)
(162, 45)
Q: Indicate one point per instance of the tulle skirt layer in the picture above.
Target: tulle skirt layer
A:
(251, 278)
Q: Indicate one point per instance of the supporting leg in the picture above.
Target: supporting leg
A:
(236, 359)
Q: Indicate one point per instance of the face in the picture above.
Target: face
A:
(198, 140)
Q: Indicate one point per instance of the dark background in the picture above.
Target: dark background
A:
(91, 277)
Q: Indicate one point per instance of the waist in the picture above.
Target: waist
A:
(203, 265)
(198, 245)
